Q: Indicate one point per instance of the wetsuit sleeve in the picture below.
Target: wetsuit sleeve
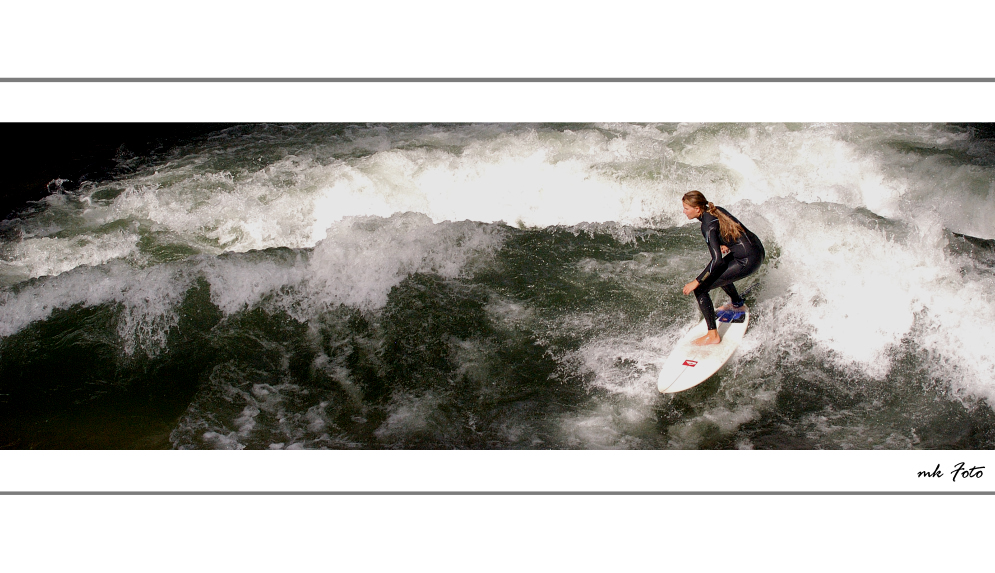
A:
(712, 239)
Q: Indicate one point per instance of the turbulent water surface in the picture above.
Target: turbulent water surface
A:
(504, 286)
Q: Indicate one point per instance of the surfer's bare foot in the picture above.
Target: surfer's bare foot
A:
(729, 306)
(711, 338)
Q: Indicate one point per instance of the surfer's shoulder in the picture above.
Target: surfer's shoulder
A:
(707, 221)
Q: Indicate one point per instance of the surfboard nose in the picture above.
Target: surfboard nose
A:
(689, 365)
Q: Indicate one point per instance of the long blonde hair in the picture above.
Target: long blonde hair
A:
(729, 229)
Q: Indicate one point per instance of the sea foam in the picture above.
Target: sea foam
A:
(856, 215)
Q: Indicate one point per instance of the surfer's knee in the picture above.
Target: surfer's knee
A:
(704, 301)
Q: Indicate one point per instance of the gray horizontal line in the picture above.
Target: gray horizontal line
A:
(493, 80)
(484, 493)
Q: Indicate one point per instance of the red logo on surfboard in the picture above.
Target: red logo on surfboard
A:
(690, 362)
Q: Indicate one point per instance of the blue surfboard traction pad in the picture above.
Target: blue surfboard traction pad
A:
(730, 315)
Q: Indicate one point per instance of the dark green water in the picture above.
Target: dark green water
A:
(313, 287)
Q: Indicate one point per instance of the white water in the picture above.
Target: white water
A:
(855, 285)
(628, 174)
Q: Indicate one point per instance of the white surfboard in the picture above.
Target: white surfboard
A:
(690, 365)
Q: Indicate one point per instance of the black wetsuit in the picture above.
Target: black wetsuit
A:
(745, 255)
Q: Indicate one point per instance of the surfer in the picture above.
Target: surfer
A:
(736, 253)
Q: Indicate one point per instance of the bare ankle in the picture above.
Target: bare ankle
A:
(711, 338)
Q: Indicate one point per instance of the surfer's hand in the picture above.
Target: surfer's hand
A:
(689, 288)
(724, 249)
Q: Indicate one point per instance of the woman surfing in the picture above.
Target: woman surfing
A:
(736, 253)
